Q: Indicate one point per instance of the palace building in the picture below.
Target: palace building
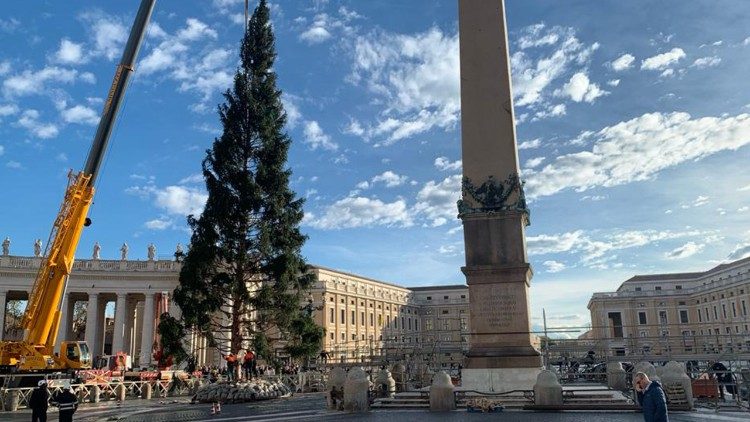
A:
(363, 318)
(680, 314)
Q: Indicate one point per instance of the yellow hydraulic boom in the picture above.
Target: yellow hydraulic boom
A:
(41, 319)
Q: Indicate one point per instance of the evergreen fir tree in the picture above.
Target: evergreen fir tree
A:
(243, 278)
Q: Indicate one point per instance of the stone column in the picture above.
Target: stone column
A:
(3, 304)
(92, 309)
(493, 209)
(147, 334)
(63, 329)
(129, 322)
(118, 333)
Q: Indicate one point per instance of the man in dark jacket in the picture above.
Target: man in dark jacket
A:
(67, 403)
(38, 402)
(651, 397)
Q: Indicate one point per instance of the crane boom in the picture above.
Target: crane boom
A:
(42, 316)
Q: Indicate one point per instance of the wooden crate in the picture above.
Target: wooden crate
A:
(705, 388)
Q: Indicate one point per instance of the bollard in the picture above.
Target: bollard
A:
(120, 392)
(146, 391)
(386, 385)
(12, 400)
(674, 373)
(547, 390)
(616, 376)
(356, 391)
(399, 375)
(442, 397)
(95, 393)
(335, 387)
(81, 394)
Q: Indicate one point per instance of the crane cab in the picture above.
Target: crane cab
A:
(75, 355)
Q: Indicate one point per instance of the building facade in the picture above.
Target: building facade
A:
(364, 319)
(700, 313)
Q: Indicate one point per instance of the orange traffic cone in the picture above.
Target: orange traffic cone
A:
(218, 407)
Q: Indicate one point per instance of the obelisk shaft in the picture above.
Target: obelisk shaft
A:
(493, 208)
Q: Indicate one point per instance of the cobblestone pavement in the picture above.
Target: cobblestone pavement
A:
(310, 407)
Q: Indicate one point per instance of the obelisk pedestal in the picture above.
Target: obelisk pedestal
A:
(493, 209)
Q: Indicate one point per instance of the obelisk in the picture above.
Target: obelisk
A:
(493, 208)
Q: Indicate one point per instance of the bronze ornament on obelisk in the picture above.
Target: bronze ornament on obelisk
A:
(493, 208)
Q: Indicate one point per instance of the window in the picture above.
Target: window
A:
(372, 319)
(716, 314)
(354, 318)
(332, 315)
(463, 296)
(463, 323)
(734, 310)
(445, 297)
(403, 326)
(683, 316)
(362, 318)
(663, 317)
(343, 336)
(637, 289)
(643, 333)
(416, 325)
(332, 337)
(744, 308)
(615, 320)
(708, 316)
(446, 325)
(428, 324)
(444, 312)
(678, 287)
(343, 317)
(410, 323)
(700, 318)
(354, 337)
(380, 321)
(681, 303)
(429, 297)
(657, 287)
(642, 318)
(724, 310)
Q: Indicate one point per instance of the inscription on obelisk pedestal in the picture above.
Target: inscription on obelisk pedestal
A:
(493, 207)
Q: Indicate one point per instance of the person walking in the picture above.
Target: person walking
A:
(247, 364)
(67, 403)
(38, 402)
(651, 397)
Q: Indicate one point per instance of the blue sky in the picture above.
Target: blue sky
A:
(632, 124)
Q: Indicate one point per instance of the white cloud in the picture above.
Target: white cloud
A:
(29, 120)
(437, 200)
(534, 143)
(70, 52)
(531, 77)
(15, 165)
(4, 67)
(613, 82)
(61, 157)
(638, 149)
(743, 209)
(8, 110)
(592, 250)
(80, 114)
(293, 115)
(552, 111)
(444, 164)
(2, 150)
(108, 34)
(415, 77)
(35, 82)
(390, 179)
(739, 252)
(662, 61)
(684, 251)
(205, 72)
(534, 162)
(192, 179)
(744, 188)
(579, 88)
(177, 200)
(315, 35)
(316, 138)
(746, 41)
(159, 224)
(325, 26)
(554, 266)
(623, 62)
(354, 212)
(704, 62)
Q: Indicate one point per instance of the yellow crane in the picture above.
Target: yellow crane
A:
(41, 320)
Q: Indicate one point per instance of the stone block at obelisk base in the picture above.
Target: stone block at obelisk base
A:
(616, 376)
(547, 390)
(493, 209)
(675, 374)
(356, 389)
(442, 397)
